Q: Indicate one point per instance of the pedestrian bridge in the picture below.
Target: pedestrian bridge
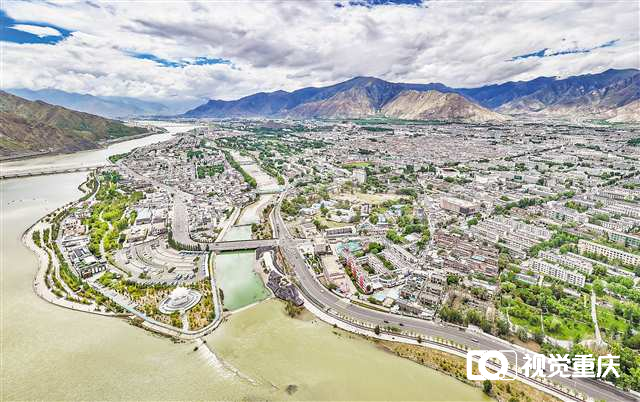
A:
(237, 245)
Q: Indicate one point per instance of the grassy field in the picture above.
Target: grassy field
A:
(566, 330)
(609, 322)
(332, 224)
(356, 165)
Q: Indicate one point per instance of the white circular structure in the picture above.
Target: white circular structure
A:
(180, 299)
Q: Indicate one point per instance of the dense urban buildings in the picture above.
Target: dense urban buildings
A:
(523, 231)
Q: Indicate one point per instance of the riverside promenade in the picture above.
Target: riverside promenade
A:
(39, 282)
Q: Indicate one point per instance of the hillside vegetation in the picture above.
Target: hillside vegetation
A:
(28, 127)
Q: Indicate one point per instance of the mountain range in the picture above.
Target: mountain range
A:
(105, 106)
(607, 95)
(28, 127)
(36, 126)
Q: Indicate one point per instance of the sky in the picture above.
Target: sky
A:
(173, 50)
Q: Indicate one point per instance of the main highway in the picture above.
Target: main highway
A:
(329, 302)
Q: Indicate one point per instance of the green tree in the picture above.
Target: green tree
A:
(373, 218)
(487, 387)
(502, 327)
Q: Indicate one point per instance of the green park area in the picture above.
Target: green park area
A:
(549, 309)
(107, 219)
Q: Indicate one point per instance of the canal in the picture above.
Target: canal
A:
(236, 271)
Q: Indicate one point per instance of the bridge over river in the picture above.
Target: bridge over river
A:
(236, 245)
(42, 172)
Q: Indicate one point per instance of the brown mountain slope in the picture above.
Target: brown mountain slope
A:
(28, 127)
(629, 113)
(361, 101)
(580, 98)
(352, 103)
(415, 105)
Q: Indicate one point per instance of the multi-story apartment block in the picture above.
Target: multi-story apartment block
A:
(627, 209)
(360, 176)
(340, 232)
(570, 260)
(621, 225)
(564, 214)
(609, 252)
(558, 272)
(360, 275)
(619, 193)
(625, 239)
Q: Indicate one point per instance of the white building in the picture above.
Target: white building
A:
(558, 272)
(457, 205)
(609, 252)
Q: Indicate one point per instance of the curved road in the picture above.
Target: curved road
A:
(307, 280)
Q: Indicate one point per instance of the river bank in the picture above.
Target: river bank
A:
(44, 345)
(88, 157)
(103, 144)
(454, 366)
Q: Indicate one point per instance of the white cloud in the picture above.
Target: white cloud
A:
(37, 30)
(289, 45)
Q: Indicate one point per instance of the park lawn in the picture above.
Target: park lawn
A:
(333, 224)
(569, 330)
(524, 323)
(609, 322)
(566, 330)
(356, 165)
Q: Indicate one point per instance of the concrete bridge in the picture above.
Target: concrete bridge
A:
(43, 172)
(270, 190)
(237, 245)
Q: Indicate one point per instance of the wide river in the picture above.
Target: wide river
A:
(50, 353)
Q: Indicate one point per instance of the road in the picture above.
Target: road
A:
(594, 317)
(179, 213)
(326, 300)
(180, 221)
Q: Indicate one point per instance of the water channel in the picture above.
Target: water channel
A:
(236, 271)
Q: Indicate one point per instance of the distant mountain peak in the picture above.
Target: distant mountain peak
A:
(436, 105)
(580, 96)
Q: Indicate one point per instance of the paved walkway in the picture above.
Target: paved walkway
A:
(39, 282)
(594, 317)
